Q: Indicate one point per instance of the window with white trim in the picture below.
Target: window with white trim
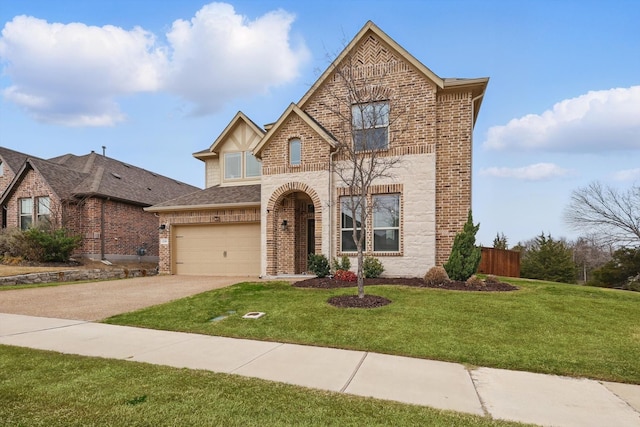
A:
(26, 213)
(370, 126)
(386, 223)
(350, 218)
(295, 152)
(233, 165)
(252, 166)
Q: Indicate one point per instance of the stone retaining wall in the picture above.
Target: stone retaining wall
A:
(75, 275)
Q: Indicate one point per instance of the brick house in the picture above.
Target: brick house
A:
(272, 195)
(97, 197)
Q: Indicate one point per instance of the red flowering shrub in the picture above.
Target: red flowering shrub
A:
(345, 276)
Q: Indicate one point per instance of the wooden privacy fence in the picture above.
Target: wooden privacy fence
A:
(500, 262)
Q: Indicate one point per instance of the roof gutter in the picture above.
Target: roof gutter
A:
(201, 207)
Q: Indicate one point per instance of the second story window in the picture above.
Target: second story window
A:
(241, 164)
(370, 123)
(295, 152)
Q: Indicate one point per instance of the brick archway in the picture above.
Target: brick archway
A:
(299, 206)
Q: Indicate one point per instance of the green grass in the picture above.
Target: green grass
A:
(40, 388)
(543, 327)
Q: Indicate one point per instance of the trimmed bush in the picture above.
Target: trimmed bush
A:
(345, 276)
(436, 276)
(465, 255)
(318, 265)
(44, 245)
(372, 267)
(343, 264)
(475, 281)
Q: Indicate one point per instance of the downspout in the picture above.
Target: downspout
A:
(102, 227)
(331, 205)
(473, 125)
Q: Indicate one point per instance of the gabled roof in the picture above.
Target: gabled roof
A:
(478, 85)
(369, 28)
(94, 175)
(293, 109)
(240, 117)
(13, 159)
(211, 198)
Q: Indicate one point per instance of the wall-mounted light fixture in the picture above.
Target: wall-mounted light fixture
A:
(216, 219)
(162, 227)
(283, 226)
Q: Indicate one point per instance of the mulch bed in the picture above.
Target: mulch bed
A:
(373, 301)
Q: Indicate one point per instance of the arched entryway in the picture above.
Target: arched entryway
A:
(294, 228)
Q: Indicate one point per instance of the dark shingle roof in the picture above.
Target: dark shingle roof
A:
(212, 196)
(13, 159)
(95, 175)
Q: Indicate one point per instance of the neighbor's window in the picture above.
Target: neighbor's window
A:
(348, 220)
(44, 209)
(252, 165)
(233, 165)
(295, 152)
(26, 213)
(370, 126)
(386, 223)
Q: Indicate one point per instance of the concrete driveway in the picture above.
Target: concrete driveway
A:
(99, 300)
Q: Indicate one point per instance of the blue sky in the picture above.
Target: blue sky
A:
(155, 81)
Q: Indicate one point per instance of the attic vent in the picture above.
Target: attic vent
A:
(149, 188)
(116, 175)
(153, 174)
(126, 165)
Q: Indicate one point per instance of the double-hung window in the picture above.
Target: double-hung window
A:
(350, 214)
(370, 126)
(386, 223)
(26, 213)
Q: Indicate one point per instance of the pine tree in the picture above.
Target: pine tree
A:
(465, 255)
(548, 259)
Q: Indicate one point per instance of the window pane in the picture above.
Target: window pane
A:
(25, 222)
(233, 165)
(386, 240)
(26, 206)
(348, 244)
(386, 211)
(43, 206)
(253, 166)
(295, 151)
(347, 212)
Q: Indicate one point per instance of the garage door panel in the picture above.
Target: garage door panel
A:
(219, 249)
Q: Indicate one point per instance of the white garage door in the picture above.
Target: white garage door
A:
(217, 250)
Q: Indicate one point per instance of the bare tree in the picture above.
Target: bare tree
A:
(588, 254)
(614, 216)
(368, 114)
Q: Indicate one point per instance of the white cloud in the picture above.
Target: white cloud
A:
(627, 175)
(72, 74)
(535, 172)
(597, 121)
(220, 55)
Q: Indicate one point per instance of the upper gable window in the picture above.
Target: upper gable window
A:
(241, 164)
(295, 152)
(370, 126)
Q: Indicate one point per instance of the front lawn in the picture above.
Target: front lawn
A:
(39, 388)
(543, 327)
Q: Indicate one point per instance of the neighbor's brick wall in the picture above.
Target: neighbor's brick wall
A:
(209, 216)
(32, 186)
(126, 226)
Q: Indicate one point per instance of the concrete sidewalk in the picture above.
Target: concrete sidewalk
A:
(501, 394)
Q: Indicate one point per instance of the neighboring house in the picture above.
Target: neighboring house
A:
(99, 198)
(273, 196)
